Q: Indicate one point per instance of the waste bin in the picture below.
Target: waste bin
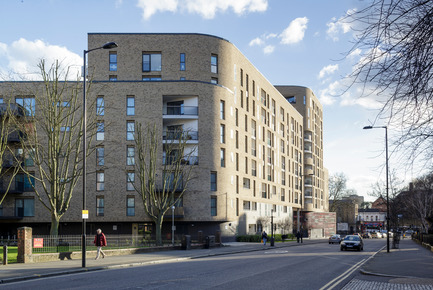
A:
(186, 242)
(272, 241)
(284, 237)
(209, 242)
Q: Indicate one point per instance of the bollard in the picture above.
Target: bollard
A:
(5, 255)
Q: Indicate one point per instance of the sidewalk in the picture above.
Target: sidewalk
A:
(20, 272)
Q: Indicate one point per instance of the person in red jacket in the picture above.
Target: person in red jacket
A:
(100, 241)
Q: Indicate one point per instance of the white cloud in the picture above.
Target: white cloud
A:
(269, 49)
(20, 59)
(295, 32)
(327, 70)
(328, 96)
(205, 8)
(335, 27)
(256, 41)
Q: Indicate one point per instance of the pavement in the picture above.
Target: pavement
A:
(410, 266)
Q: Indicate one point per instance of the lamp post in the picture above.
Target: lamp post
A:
(172, 225)
(387, 188)
(85, 213)
(272, 227)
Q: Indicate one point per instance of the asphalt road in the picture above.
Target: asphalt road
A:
(318, 266)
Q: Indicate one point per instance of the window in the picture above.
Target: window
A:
(214, 81)
(222, 134)
(113, 61)
(1, 101)
(100, 161)
(100, 131)
(283, 194)
(24, 182)
(130, 130)
(253, 168)
(112, 78)
(223, 157)
(24, 207)
(130, 106)
(100, 106)
(182, 78)
(100, 206)
(264, 190)
(100, 179)
(28, 103)
(246, 183)
(130, 155)
(214, 63)
(182, 62)
(222, 110)
(151, 62)
(213, 181)
(246, 205)
(130, 206)
(130, 181)
(213, 206)
(291, 99)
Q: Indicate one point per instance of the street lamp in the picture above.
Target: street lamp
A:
(85, 213)
(172, 225)
(387, 188)
(272, 227)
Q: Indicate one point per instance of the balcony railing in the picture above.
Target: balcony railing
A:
(190, 160)
(180, 135)
(180, 110)
(11, 213)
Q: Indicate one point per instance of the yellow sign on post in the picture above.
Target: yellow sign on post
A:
(85, 214)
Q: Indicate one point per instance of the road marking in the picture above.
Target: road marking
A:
(276, 252)
(333, 283)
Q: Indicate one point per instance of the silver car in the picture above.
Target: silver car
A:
(335, 239)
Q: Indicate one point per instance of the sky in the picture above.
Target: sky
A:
(291, 42)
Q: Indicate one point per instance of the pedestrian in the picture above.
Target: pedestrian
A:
(298, 236)
(264, 237)
(100, 241)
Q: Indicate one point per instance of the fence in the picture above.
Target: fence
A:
(59, 244)
(10, 241)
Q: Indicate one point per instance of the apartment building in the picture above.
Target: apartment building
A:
(257, 153)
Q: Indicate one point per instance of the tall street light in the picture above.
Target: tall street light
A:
(85, 213)
(387, 188)
(172, 225)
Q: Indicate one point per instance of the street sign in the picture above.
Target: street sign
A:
(85, 214)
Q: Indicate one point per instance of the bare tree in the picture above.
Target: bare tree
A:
(162, 186)
(397, 66)
(54, 141)
(337, 190)
(9, 160)
(420, 201)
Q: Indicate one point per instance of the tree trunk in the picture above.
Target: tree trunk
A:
(55, 220)
(158, 227)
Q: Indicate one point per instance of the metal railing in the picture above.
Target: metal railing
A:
(179, 135)
(180, 110)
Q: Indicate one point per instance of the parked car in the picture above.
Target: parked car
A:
(335, 239)
(352, 242)
(366, 235)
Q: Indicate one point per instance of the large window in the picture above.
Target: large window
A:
(100, 131)
(222, 110)
(100, 206)
(24, 207)
(28, 104)
(223, 157)
(113, 61)
(100, 180)
(214, 63)
(100, 106)
(182, 62)
(130, 155)
(222, 134)
(130, 181)
(130, 106)
(130, 206)
(213, 206)
(100, 159)
(213, 181)
(130, 130)
(24, 182)
(151, 62)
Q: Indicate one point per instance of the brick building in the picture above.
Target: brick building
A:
(259, 147)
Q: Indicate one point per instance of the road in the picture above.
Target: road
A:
(318, 266)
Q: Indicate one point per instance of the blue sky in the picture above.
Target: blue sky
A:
(296, 42)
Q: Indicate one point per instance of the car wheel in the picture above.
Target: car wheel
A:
(341, 249)
(329, 242)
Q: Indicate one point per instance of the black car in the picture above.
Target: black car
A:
(352, 242)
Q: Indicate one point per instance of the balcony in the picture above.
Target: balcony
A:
(189, 160)
(180, 135)
(309, 161)
(180, 111)
(16, 136)
(9, 213)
